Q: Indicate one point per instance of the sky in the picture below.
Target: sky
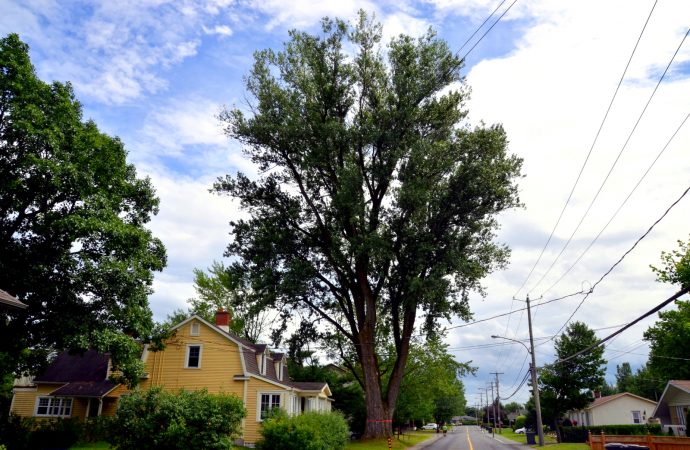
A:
(156, 73)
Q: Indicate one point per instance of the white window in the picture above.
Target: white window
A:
(268, 402)
(193, 360)
(637, 417)
(53, 407)
(194, 329)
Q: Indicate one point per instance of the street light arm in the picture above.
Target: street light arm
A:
(493, 336)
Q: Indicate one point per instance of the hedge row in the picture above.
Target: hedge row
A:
(580, 434)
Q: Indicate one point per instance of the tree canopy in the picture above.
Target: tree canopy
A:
(569, 385)
(375, 201)
(73, 239)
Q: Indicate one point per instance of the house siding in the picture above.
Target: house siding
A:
(255, 387)
(220, 361)
(619, 411)
(24, 402)
(679, 399)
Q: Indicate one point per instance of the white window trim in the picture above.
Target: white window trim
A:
(258, 402)
(639, 416)
(194, 329)
(186, 357)
(50, 406)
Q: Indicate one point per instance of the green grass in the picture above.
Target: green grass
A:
(405, 441)
(90, 445)
(549, 441)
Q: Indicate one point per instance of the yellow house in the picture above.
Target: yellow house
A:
(74, 386)
(202, 355)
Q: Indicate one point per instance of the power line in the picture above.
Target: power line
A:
(620, 206)
(657, 308)
(487, 31)
(482, 25)
(596, 137)
(522, 383)
(613, 166)
(649, 230)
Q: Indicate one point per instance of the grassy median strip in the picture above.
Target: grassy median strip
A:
(405, 441)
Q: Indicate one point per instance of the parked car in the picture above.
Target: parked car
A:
(430, 426)
(520, 431)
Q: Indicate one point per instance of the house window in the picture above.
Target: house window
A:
(193, 356)
(194, 329)
(637, 417)
(267, 404)
(54, 407)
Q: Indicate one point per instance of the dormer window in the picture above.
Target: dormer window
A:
(278, 365)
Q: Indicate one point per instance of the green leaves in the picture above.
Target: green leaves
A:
(155, 419)
(73, 239)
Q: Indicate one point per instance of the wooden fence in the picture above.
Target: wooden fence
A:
(597, 442)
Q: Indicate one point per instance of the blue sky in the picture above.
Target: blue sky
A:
(157, 72)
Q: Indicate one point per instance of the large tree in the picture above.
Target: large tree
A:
(624, 377)
(73, 241)
(569, 385)
(431, 387)
(375, 204)
(669, 344)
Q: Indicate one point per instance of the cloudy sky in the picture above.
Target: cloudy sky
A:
(157, 72)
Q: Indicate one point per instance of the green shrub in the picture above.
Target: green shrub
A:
(309, 431)
(157, 419)
(579, 434)
(519, 422)
(97, 429)
(19, 433)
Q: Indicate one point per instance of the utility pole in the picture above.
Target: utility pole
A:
(498, 399)
(535, 385)
(481, 402)
(493, 408)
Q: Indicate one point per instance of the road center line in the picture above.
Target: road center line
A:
(469, 441)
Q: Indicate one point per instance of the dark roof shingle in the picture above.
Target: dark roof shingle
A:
(85, 389)
(89, 366)
(8, 300)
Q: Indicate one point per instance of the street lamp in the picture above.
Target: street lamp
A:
(535, 386)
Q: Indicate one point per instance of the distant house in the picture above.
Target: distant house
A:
(74, 386)
(618, 409)
(9, 302)
(673, 405)
(202, 355)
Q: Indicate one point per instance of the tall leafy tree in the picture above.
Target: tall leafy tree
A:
(624, 377)
(431, 387)
(670, 335)
(569, 385)
(668, 338)
(374, 203)
(73, 239)
(215, 291)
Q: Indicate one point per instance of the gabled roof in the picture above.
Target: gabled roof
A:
(601, 400)
(83, 375)
(662, 406)
(249, 352)
(85, 389)
(89, 366)
(11, 302)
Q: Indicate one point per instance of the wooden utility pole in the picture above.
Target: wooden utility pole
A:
(498, 399)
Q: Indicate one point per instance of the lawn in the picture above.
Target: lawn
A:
(549, 442)
(90, 446)
(405, 441)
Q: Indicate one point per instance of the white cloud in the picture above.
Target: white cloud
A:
(223, 30)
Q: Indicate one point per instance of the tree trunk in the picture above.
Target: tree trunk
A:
(379, 416)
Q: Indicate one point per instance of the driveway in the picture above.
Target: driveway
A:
(468, 438)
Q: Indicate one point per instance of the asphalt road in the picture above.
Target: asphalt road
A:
(470, 438)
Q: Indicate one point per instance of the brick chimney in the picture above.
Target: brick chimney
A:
(223, 320)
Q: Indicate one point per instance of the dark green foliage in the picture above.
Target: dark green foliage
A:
(579, 434)
(568, 385)
(375, 202)
(624, 377)
(20, 433)
(309, 431)
(431, 389)
(73, 239)
(97, 429)
(668, 338)
(519, 422)
(157, 419)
